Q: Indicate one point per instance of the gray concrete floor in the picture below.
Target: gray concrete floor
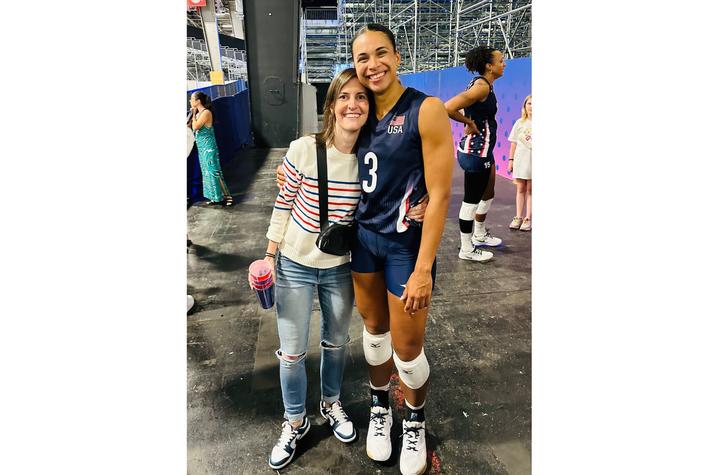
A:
(478, 344)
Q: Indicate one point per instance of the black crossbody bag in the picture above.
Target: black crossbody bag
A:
(334, 238)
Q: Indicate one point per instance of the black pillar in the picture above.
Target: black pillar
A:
(272, 38)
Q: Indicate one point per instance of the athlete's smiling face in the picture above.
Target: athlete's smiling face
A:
(351, 107)
(375, 60)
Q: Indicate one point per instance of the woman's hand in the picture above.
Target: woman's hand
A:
(510, 166)
(281, 178)
(417, 292)
(416, 212)
(471, 128)
(270, 261)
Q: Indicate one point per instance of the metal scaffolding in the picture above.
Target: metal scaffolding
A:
(430, 34)
(229, 17)
(234, 61)
(435, 34)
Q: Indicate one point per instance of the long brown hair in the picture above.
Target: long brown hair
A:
(341, 79)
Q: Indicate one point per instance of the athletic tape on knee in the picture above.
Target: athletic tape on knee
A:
(377, 348)
(414, 373)
(467, 211)
(484, 206)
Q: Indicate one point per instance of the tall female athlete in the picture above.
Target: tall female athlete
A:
(405, 151)
(480, 106)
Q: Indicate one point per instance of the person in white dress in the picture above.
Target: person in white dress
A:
(520, 166)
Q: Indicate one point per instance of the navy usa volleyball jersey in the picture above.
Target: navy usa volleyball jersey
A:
(391, 166)
(484, 116)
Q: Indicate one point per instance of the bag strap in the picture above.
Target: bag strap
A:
(323, 191)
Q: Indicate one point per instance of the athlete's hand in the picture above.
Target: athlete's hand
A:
(417, 293)
(471, 128)
(416, 212)
(280, 177)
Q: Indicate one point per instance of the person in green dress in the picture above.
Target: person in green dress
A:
(214, 188)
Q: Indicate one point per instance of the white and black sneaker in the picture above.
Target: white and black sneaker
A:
(485, 240)
(341, 425)
(413, 448)
(378, 437)
(475, 254)
(283, 451)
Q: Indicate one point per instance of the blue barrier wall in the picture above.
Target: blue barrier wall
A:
(232, 129)
(510, 90)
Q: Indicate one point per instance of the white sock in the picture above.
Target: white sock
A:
(466, 245)
(379, 388)
(479, 228)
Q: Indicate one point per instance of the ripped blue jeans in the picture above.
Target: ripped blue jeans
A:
(294, 291)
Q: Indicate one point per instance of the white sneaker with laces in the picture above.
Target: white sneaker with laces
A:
(342, 427)
(515, 223)
(485, 240)
(476, 254)
(378, 437)
(283, 451)
(526, 225)
(413, 448)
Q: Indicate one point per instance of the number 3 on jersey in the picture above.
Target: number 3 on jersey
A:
(368, 187)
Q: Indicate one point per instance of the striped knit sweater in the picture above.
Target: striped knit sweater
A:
(295, 219)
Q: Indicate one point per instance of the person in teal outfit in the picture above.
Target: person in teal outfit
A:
(214, 188)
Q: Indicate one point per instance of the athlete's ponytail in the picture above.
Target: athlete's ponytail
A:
(477, 58)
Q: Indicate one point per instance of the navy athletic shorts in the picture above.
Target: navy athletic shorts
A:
(395, 254)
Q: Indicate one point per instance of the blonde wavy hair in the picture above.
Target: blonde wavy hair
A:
(524, 114)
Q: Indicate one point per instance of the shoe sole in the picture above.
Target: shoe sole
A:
(525, 230)
(291, 457)
(479, 243)
(423, 471)
(475, 260)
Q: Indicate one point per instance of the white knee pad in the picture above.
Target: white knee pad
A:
(467, 211)
(484, 206)
(377, 348)
(414, 373)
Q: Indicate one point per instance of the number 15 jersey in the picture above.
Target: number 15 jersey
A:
(391, 166)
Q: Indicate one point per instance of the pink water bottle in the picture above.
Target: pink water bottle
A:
(260, 275)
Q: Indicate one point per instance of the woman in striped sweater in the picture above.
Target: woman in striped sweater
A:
(301, 266)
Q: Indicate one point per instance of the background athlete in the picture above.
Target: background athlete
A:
(479, 104)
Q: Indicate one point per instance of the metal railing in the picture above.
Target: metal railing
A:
(234, 61)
